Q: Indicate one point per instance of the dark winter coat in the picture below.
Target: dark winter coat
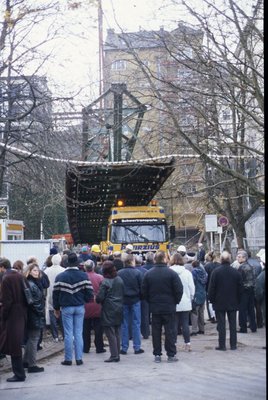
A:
(225, 288)
(132, 278)
(36, 311)
(209, 267)
(162, 288)
(111, 297)
(248, 275)
(13, 314)
(200, 279)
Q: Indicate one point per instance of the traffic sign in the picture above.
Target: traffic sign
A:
(223, 221)
(211, 223)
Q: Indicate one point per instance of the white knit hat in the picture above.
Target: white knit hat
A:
(56, 259)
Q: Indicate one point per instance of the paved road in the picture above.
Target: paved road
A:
(201, 374)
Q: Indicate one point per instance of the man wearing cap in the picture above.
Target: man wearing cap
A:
(95, 253)
(84, 255)
(182, 251)
(72, 289)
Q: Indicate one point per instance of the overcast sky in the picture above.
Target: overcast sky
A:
(76, 61)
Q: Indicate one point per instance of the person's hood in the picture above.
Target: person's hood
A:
(56, 259)
(201, 275)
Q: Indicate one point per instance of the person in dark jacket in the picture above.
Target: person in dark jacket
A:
(111, 297)
(211, 262)
(145, 313)
(224, 293)
(132, 279)
(163, 289)
(149, 260)
(198, 307)
(257, 268)
(13, 318)
(72, 289)
(246, 307)
(36, 318)
(260, 293)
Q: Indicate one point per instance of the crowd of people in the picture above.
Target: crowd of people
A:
(126, 297)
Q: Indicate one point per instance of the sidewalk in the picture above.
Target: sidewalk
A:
(50, 348)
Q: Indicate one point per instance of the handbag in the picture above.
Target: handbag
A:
(28, 293)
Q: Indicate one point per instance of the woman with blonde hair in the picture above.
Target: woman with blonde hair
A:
(36, 318)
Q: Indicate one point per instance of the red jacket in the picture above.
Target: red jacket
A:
(92, 309)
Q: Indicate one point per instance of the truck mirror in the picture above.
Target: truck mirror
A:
(172, 232)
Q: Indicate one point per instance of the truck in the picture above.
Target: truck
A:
(144, 227)
(11, 229)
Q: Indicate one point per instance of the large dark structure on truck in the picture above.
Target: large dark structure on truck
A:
(93, 191)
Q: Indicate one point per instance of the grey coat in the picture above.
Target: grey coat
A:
(111, 297)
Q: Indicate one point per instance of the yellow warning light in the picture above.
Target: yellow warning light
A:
(153, 203)
(120, 203)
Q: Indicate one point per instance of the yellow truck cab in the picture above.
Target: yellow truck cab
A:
(144, 227)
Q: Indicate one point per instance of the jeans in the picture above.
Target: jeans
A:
(133, 313)
(72, 320)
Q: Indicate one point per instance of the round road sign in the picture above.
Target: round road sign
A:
(223, 221)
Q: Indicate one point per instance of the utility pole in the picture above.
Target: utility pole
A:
(100, 27)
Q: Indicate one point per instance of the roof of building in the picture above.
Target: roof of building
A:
(146, 39)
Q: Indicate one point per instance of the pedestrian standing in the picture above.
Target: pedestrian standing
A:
(211, 262)
(72, 289)
(246, 307)
(92, 315)
(184, 308)
(145, 314)
(132, 279)
(198, 305)
(13, 318)
(51, 273)
(111, 296)
(224, 293)
(162, 288)
(36, 318)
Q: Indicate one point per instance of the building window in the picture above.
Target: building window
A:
(119, 65)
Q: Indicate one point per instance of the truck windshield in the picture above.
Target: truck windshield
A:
(138, 233)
